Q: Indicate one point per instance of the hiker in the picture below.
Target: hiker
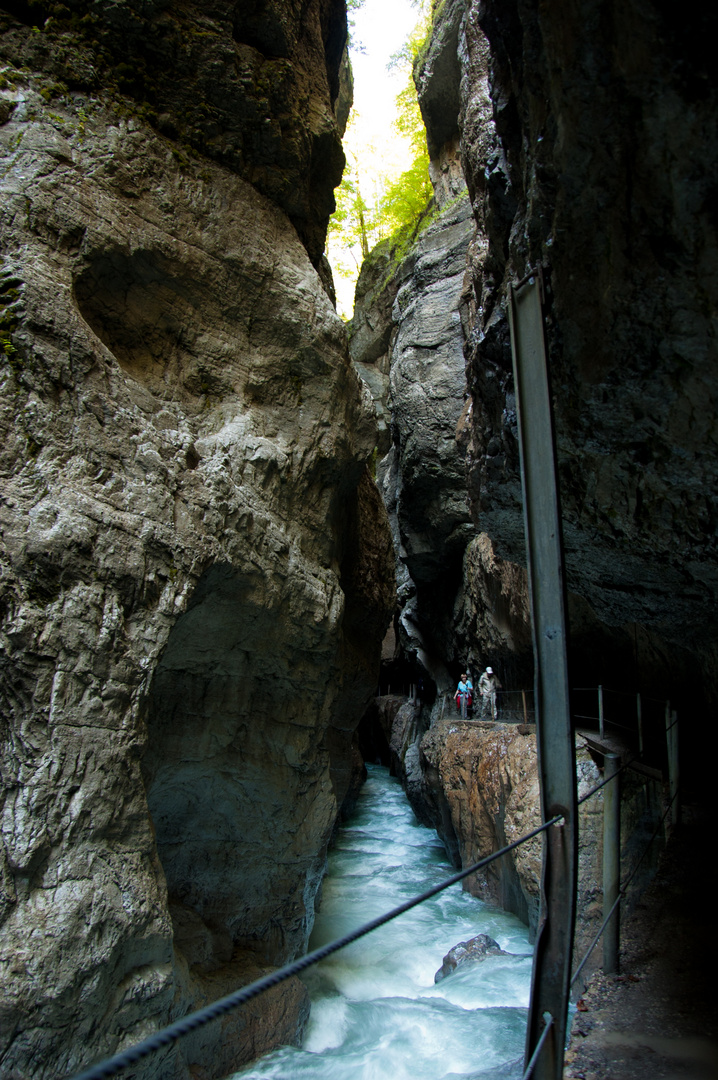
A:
(488, 685)
(463, 695)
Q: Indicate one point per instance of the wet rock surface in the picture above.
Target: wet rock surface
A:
(473, 951)
(196, 576)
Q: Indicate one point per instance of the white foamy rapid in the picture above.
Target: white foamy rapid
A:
(376, 1012)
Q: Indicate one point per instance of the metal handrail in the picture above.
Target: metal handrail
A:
(624, 887)
(173, 1032)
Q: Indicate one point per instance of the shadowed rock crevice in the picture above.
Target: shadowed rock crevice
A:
(148, 311)
(229, 721)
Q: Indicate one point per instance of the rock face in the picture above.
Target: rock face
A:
(407, 340)
(261, 88)
(598, 165)
(613, 200)
(196, 565)
(459, 602)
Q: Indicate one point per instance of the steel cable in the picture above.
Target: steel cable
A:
(605, 781)
(167, 1035)
(548, 1021)
(622, 891)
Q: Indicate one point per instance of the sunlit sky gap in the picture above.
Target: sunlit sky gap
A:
(380, 29)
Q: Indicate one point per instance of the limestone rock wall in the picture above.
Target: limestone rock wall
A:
(598, 165)
(587, 145)
(196, 566)
(407, 339)
(459, 602)
(262, 88)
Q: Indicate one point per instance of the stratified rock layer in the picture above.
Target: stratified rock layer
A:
(407, 341)
(196, 576)
(599, 165)
(260, 87)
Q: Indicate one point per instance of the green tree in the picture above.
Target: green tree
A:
(356, 225)
(406, 197)
(369, 211)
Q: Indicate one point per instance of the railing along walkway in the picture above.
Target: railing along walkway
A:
(611, 721)
(173, 1032)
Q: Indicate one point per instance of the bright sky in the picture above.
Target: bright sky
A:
(380, 27)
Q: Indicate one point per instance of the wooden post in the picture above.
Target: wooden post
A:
(611, 862)
(600, 712)
(526, 715)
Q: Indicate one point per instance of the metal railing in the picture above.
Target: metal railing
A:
(513, 707)
(173, 1032)
(637, 718)
(614, 892)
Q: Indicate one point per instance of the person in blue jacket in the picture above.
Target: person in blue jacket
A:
(463, 695)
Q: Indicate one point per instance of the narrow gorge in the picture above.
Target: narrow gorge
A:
(227, 518)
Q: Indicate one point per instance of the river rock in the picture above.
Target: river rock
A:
(196, 565)
(473, 951)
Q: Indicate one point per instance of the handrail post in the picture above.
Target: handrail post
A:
(555, 740)
(673, 763)
(600, 712)
(526, 715)
(611, 861)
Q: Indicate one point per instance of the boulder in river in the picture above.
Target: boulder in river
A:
(472, 951)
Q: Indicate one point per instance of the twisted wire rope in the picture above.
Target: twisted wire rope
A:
(170, 1034)
(175, 1031)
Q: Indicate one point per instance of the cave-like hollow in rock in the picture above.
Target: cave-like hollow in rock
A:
(246, 546)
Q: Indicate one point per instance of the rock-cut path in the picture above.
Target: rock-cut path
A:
(657, 1018)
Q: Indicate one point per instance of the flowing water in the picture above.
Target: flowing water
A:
(376, 1012)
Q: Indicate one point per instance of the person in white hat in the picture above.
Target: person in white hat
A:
(488, 685)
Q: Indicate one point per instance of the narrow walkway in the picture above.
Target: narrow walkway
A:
(658, 1018)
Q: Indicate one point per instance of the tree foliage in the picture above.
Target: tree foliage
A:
(372, 207)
